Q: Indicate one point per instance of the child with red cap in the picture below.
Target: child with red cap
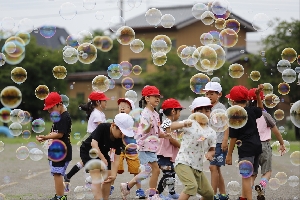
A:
(147, 139)
(169, 147)
(126, 106)
(248, 135)
(60, 131)
(265, 125)
(94, 114)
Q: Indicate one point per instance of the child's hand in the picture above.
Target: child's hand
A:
(228, 160)
(210, 155)
(110, 179)
(259, 88)
(187, 123)
(40, 138)
(167, 135)
(282, 149)
(224, 145)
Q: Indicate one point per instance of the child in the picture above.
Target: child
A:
(94, 114)
(213, 91)
(248, 135)
(107, 137)
(189, 160)
(147, 147)
(265, 125)
(169, 147)
(60, 131)
(125, 106)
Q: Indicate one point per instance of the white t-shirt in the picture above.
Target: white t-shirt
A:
(96, 117)
(196, 141)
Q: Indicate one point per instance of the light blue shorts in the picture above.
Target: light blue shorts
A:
(147, 157)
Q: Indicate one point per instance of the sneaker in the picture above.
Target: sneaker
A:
(161, 196)
(54, 198)
(174, 196)
(216, 197)
(67, 187)
(155, 197)
(260, 192)
(124, 190)
(62, 197)
(112, 188)
(66, 179)
(223, 197)
(140, 194)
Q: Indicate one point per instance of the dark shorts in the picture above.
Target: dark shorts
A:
(254, 161)
(220, 156)
(165, 162)
(85, 157)
(58, 167)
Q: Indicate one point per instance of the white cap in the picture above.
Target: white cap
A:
(125, 124)
(128, 101)
(200, 102)
(213, 86)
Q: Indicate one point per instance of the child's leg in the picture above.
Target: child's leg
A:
(155, 173)
(221, 184)
(246, 188)
(59, 184)
(214, 171)
(96, 186)
(120, 167)
(106, 188)
(138, 185)
(74, 170)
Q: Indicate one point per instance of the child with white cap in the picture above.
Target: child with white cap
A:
(213, 90)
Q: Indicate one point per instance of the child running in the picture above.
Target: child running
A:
(148, 127)
(125, 106)
(60, 131)
(196, 143)
(94, 114)
(168, 149)
(107, 137)
(213, 90)
(265, 125)
(248, 135)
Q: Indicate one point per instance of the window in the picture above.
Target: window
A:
(141, 62)
(173, 43)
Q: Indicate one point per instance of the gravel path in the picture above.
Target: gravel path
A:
(32, 180)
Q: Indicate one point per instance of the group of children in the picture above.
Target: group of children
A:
(184, 157)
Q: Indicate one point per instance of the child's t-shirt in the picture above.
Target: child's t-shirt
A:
(220, 135)
(105, 141)
(64, 126)
(148, 141)
(196, 141)
(248, 134)
(264, 125)
(95, 117)
(166, 149)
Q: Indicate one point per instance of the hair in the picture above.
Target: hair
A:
(88, 108)
(167, 112)
(142, 102)
(241, 102)
(200, 108)
(253, 103)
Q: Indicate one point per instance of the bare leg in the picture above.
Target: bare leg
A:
(221, 184)
(96, 185)
(214, 177)
(138, 185)
(59, 184)
(155, 173)
(246, 188)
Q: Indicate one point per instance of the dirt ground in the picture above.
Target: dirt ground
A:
(32, 180)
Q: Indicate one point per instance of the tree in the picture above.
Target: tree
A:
(286, 35)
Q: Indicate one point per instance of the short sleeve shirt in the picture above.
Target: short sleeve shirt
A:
(220, 135)
(96, 117)
(148, 141)
(196, 141)
(64, 126)
(105, 141)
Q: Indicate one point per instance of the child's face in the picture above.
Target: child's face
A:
(103, 104)
(176, 114)
(56, 108)
(204, 110)
(116, 131)
(124, 107)
(154, 100)
(213, 96)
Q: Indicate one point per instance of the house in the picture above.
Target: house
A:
(57, 41)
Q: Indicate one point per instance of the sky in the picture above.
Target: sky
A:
(47, 11)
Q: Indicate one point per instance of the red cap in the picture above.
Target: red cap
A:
(238, 93)
(51, 100)
(252, 95)
(171, 103)
(150, 91)
(97, 96)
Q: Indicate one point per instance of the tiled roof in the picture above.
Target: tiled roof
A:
(183, 17)
(57, 41)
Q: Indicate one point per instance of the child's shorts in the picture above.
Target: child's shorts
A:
(147, 157)
(254, 161)
(58, 167)
(133, 165)
(194, 181)
(219, 157)
(265, 158)
(165, 162)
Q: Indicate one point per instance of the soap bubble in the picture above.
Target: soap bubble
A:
(289, 75)
(282, 65)
(255, 75)
(36, 154)
(236, 70)
(116, 22)
(198, 82)
(282, 177)
(218, 118)
(67, 11)
(159, 58)
(99, 165)
(261, 22)
(206, 38)
(132, 95)
(283, 88)
(274, 183)
(268, 89)
(233, 188)
(232, 24)
(59, 72)
(125, 35)
(17, 115)
(1, 146)
(153, 16)
(84, 36)
(293, 181)
(220, 23)
(245, 168)
(5, 114)
(127, 83)
(89, 4)
(198, 9)
(289, 54)
(207, 18)
(93, 153)
(137, 46)
(165, 40)
(131, 151)
(15, 129)
(271, 100)
(65, 99)
(228, 38)
(279, 114)
(100, 83)
(89, 53)
(70, 55)
(22, 153)
(295, 158)
(295, 113)
(38, 125)
(167, 21)
(115, 71)
(127, 67)
(137, 70)
(237, 116)
(41, 92)
(57, 151)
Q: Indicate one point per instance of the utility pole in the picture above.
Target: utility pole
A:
(121, 10)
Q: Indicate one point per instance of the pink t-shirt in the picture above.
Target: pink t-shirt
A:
(264, 125)
(148, 141)
(166, 149)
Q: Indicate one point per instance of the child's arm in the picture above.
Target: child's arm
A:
(230, 150)
(167, 135)
(279, 138)
(257, 93)
(210, 154)
(181, 124)
(224, 145)
(114, 169)
(94, 145)
(52, 135)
